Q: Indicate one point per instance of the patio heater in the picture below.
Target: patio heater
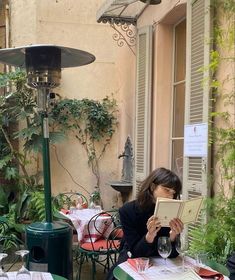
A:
(43, 65)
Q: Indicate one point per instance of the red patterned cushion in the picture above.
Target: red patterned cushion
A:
(100, 245)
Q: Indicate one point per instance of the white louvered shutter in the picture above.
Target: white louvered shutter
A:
(197, 107)
(143, 105)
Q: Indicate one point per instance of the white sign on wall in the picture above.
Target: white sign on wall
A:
(196, 140)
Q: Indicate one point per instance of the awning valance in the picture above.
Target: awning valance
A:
(120, 11)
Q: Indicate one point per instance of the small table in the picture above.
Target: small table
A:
(38, 276)
(58, 277)
(125, 272)
(120, 274)
(80, 220)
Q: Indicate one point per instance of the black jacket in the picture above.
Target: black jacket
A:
(134, 222)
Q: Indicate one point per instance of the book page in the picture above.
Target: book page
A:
(166, 210)
(190, 210)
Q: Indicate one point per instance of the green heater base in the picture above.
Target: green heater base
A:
(50, 248)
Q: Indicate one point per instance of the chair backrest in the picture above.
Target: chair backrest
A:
(99, 227)
(115, 216)
(114, 238)
(69, 199)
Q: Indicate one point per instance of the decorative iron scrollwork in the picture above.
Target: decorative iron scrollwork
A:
(124, 35)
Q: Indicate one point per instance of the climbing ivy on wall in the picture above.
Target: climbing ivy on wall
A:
(217, 236)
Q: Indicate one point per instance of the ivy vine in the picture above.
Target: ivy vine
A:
(217, 236)
(93, 124)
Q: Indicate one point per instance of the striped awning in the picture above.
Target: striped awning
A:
(120, 11)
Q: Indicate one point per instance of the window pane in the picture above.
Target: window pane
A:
(180, 50)
(178, 111)
(177, 157)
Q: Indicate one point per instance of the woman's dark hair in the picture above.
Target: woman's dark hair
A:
(159, 176)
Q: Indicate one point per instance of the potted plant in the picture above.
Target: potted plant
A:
(95, 199)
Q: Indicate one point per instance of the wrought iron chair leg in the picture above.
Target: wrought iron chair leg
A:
(107, 266)
(93, 268)
(80, 263)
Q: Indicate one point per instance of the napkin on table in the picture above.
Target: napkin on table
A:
(64, 211)
(206, 273)
(132, 262)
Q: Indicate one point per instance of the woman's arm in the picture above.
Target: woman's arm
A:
(134, 234)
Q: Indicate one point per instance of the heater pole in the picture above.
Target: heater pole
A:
(46, 154)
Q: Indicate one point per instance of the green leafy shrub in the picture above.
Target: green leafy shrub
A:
(217, 236)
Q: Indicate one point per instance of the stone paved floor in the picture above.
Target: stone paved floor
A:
(86, 272)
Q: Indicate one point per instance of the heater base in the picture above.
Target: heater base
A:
(50, 248)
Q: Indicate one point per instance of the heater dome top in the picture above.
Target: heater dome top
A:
(69, 57)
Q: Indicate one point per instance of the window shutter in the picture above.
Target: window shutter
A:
(196, 169)
(143, 105)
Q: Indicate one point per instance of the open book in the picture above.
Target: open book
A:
(186, 210)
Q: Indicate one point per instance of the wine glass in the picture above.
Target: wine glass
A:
(23, 273)
(181, 246)
(3, 275)
(164, 248)
(201, 259)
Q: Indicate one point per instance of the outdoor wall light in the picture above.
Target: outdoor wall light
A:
(151, 2)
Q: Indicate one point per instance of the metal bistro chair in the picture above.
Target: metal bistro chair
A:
(64, 201)
(101, 245)
(69, 199)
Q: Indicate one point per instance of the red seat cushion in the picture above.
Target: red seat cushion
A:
(117, 233)
(100, 245)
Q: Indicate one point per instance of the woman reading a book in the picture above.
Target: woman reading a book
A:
(140, 227)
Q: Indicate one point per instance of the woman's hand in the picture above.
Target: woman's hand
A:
(176, 228)
(153, 226)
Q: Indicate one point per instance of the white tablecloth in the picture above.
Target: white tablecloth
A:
(35, 275)
(80, 219)
(156, 270)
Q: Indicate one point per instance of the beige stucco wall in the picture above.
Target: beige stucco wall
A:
(72, 23)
